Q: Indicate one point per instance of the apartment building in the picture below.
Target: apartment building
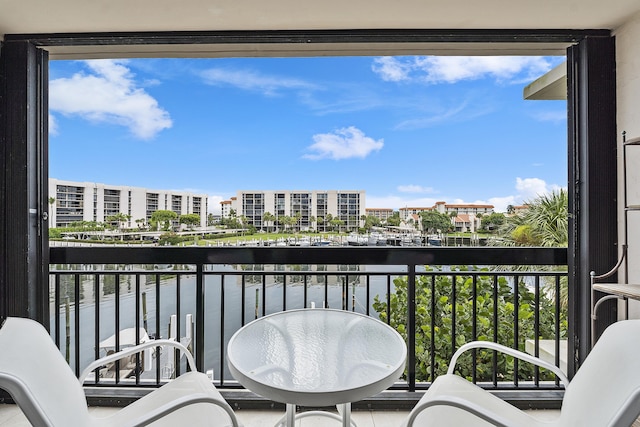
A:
(466, 209)
(406, 213)
(226, 206)
(466, 223)
(88, 201)
(312, 207)
(382, 214)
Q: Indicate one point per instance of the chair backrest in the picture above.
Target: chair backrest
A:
(38, 378)
(606, 389)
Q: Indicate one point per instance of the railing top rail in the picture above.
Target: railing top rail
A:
(310, 255)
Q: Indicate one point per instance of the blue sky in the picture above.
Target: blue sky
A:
(409, 131)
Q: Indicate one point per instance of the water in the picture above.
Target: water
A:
(183, 288)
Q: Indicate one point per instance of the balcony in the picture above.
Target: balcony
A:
(96, 291)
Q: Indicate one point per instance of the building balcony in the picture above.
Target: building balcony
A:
(436, 297)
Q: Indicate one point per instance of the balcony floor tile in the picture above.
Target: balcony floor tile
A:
(11, 416)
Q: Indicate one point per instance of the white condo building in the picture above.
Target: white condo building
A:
(88, 201)
(346, 205)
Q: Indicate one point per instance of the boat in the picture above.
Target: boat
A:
(143, 363)
(434, 241)
(356, 240)
(128, 366)
(394, 241)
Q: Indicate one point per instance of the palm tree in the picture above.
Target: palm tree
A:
(327, 220)
(545, 222)
(267, 218)
(243, 221)
(297, 220)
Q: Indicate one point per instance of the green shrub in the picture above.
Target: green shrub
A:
(444, 329)
(172, 239)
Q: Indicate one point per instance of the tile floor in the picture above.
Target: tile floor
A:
(11, 416)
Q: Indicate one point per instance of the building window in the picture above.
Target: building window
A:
(69, 205)
(111, 202)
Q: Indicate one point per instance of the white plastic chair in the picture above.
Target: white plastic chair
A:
(43, 385)
(605, 392)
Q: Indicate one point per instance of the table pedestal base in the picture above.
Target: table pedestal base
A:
(344, 415)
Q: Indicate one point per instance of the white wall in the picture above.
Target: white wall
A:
(628, 118)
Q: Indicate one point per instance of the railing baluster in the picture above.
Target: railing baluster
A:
(76, 305)
(200, 307)
(326, 291)
(264, 295)
(495, 329)
(388, 299)
(284, 292)
(453, 312)
(474, 327)
(157, 283)
(411, 326)
(433, 328)
(305, 291)
(557, 326)
(368, 294)
(222, 315)
(536, 329)
(516, 324)
(117, 323)
(96, 339)
(137, 325)
(57, 309)
(176, 354)
(243, 298)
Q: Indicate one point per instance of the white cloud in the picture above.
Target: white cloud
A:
(214, 204)
(466, 110)
(53, 125)
(109, 94)
(397, 202)
(253, 81)
(344, 143)
(526, 189)
(452, 69)
(415, 189)
(530, 188)
(500, 204)
(551, 116)
(391, 69)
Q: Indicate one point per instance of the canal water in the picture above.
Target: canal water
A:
(223, 307)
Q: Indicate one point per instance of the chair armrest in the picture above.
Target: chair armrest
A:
(511, 352)
(137, 349)
(458, 402)
(181, 402)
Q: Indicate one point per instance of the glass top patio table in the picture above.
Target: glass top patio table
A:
(316, 357)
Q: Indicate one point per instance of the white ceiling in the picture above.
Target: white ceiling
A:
(71, 16)
(59, 16)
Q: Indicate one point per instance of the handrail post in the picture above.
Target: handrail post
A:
(411, 327)
(199, 347)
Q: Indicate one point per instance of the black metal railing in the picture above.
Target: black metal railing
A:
(436, 298)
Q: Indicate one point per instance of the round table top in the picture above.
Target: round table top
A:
(316, 357)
